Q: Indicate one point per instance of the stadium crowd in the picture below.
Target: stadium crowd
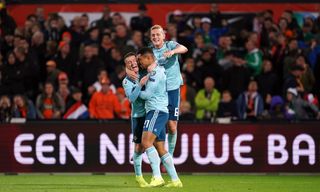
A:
(267, 69)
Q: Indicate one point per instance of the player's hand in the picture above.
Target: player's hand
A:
(131, 74)
(168, 54)
(144, 80)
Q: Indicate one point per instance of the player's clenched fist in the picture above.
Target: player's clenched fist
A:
(168, 54)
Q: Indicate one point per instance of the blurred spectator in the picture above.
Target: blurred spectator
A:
(136, 41)
(106, 20)
(215, 16)
(186, 113)
(49, 104)
(23, 108)
(52, 72)
(178, 19)
(64, 93)
(187, 93)
(93, 36)
(250, 103)
(253, 58)
(5, 109)
(267, 81)
(297, 108)
(224, 48)
(7, 43)
(192, 75)
(277, 108)
(291, 54)
(76, 32)
(209, 66)
(30, 71)
(66, 60)
(307, 77)
(207, 100)
(122, 37)
(52, 31)
(211, 35)
(84, 22)
(7, 23)
(292, 22)
(63, 79)
(77, 109)
(199, 45)
(104, 104)
(117, 19)
(118, 75)
(227, 107)
(142, 22)
(96, 87)
(88, 70)
(124, 104)
(40, 16)
(105, 49)
(12, 76)
(236, 78)
(115, 61)
(293, 80)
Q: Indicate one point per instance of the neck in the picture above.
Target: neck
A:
(152, 66)
(159, 46)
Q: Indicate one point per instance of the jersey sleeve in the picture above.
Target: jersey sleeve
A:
(172, 44)
(132, 90)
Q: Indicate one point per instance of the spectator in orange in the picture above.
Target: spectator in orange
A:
(124, 103)
(49, 105)
(104, 104)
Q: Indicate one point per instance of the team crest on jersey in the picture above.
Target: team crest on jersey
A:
(125, 82)
(153, 73)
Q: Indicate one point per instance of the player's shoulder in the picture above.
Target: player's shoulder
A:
(172, 43)
(127, 81)
(160, 68)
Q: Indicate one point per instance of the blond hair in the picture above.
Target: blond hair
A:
(156, 27)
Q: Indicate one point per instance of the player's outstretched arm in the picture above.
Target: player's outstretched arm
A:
(180, 49)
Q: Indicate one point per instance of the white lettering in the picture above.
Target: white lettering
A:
(41, 148)
(211, 157)
(19, 148)
(184, 150)
(273, 149)
(238, 149)
(77, 153)
(297, 151)
(106, 144)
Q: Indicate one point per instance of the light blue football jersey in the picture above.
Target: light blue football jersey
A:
(155, 94)
(132, 90)
(174, 79)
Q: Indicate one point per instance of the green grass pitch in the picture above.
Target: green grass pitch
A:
(126, 183)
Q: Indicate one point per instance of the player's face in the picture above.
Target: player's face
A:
(131, 63)
(157, 37)
(144, 61)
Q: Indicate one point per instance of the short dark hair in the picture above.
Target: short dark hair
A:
(145, 50)
(129, 55)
